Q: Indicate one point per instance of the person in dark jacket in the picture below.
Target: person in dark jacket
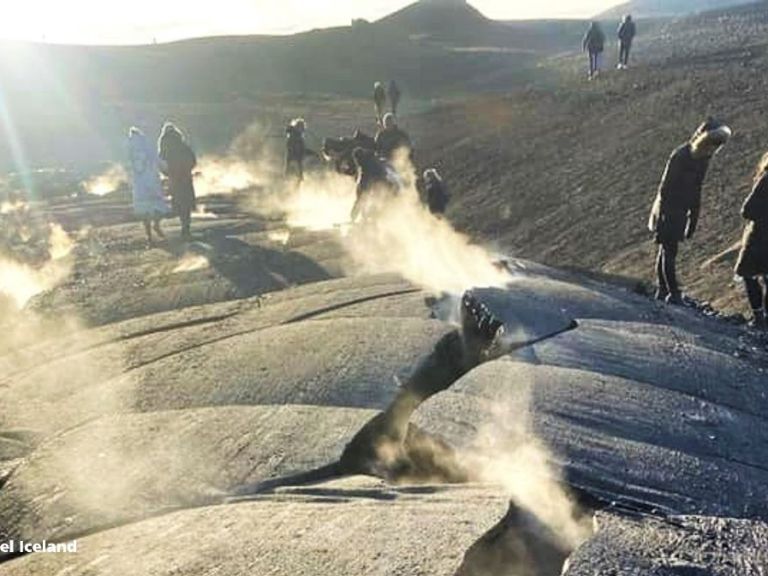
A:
(391, 138)
(436, 195)
(178, 161)
(393, 91)
(296, 149)
(372, 174)
(379, 101)
(675, 212)
(626, 33)
(752, 264)
(594, 44)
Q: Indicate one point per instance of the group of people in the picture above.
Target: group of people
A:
(373, 159)
(594, 44)
(675, 215)
(172, 158)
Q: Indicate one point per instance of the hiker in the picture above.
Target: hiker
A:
(379, 101)
(393, 91)
(436, 195)
(178, 162)
(675, 212)
(296, 149)
(391, 138)
(593, 44)
(339, 151)
(148, 199)
(626, 33)
(372, 174)
(752, 265)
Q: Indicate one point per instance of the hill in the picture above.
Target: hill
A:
(661, 8)
(568, 176)
(84, 95)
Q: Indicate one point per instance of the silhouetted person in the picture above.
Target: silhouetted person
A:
(435, 193)
(148, 200)
(296, 149)
(393, 91)
(594, 44)
(752, 264)
(179, 161)
(372, 174)
(626, 33)
(675, 212)
(379, 100)
(391, 138)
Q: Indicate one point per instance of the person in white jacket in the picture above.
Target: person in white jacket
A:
(149, 203)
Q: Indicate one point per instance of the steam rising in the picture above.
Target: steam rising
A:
(249, 163)
(13, 206)
(424, 249)
(111, 180)
(217, 175)
(20, 281)
(506, 453)
(191, 263)
(322, 202)
(403, 237)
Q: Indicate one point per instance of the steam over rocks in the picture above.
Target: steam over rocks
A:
(130, 426)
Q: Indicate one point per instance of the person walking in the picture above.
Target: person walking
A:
(594, 44)
(391, 138)
(148, 201)
(372, 176)
(379, 101)
(296, 149)
(178, 162)
(393, 91)
(675, 213)
(436, 195)
(626, 33)
(752, 264)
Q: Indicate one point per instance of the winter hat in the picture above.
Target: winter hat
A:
(712, 132)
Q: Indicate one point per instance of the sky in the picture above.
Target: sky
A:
(143, 21)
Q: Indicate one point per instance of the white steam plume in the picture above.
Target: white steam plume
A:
(505, 452)
(20, 281)
(111, 180)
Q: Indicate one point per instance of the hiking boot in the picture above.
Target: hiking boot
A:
(758, 321)
(675, 299)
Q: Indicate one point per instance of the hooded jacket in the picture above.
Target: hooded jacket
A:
(627, 31)
(678, 200)
(179, 163)
(594, 40)
(753, 257)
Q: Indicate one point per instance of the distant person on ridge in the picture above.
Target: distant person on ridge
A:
(675, 212)
(179, 161)
(436, 195)
(752, 264)
(626, 33)
(391, 138)
(148, 200)
(393, 91)
(594, 44)
(296, 149)
(379, 101)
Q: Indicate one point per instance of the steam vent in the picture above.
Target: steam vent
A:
(320, 379)
(349, 425)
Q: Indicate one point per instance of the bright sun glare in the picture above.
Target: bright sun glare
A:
(144, 21)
